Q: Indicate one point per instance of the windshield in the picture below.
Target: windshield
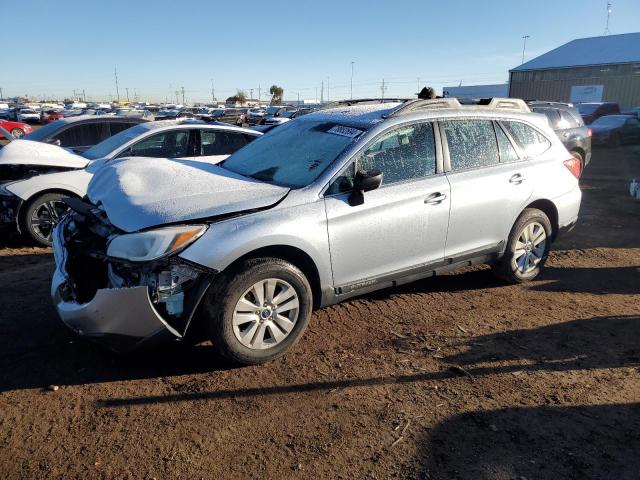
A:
(107, 146)
(287, 114)
(273, 110)
(587, 108)
(293, 155)
(610, 121)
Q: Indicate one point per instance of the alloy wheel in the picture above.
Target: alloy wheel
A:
(266, 314)
(530, 247)
(45, 217)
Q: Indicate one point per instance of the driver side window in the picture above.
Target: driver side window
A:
(170, 144)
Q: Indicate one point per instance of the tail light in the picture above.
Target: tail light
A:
(589, 132)
(574, 165)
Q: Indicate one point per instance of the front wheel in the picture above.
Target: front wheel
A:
(527, 248)
(17, 133)
(258, 311)
(40, 216)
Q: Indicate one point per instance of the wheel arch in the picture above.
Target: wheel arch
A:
(295, 256)
(550, 210)
(24, 203)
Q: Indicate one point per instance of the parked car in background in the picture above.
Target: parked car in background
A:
(274, 111)
(16, 129)
(35, 204)
(255, 115)
(27, 115)
(594, 110)
(173, 115)
(615, 130)
(567, 122)
(52, 116)
(230, 115)
(335, 204)
(81, 132)
(634, 112)
(286, 116)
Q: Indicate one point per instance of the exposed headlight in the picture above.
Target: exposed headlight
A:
(151, 245)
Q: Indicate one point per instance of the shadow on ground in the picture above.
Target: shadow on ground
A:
(533, 443)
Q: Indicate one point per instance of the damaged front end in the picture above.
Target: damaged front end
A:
(125, 301)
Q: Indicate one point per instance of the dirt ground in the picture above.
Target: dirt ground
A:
(458, 377)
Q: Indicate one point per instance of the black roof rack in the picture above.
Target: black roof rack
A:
(362, 101)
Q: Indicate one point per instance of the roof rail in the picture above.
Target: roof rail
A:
(412, 106)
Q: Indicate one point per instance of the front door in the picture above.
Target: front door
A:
(402, 224)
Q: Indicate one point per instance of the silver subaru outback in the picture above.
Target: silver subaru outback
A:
(332, 205)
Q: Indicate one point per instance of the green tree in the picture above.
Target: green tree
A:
(240, 97)
(276, 94)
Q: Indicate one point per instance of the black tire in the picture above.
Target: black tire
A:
(506, 268)
(40, 234)
(228, 289)
(17, 132)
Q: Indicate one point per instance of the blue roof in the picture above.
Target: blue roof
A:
(624, 48)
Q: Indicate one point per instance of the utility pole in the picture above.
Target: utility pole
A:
(177, 97)
(298, 98)
(259, 97)
(251, 94)
(127, 89)
(383, 88)
(182, 88)
(213, 93)
(524, 45)
(606, 28)
(1, 96)
(322, 92)
(84, 96)
(74, 95)
(327, 89)
(352, 63)
(115, 72)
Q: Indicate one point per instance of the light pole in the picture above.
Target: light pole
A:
(352, 63)
(524, 45)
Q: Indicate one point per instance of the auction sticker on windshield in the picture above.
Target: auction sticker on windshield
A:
(345, 131)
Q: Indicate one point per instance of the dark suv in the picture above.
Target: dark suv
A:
(594, 110)
(567, 122)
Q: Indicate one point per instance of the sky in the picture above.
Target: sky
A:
(160, 46)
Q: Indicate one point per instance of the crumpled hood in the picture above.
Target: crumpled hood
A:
(150, 192)
(28, 152)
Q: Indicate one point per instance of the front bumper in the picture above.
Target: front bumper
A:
(124, 318)
(9, 207)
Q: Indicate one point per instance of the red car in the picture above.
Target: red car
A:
(17, 129)
(52, 116)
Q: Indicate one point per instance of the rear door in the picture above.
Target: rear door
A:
(402, 224)
(165, 144)
(489, 186)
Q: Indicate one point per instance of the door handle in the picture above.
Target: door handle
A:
(517, 179)
(435, 198)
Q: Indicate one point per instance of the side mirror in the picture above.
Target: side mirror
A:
(364, 181)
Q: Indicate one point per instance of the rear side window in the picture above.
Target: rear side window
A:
(507, 152)
(472, 143)
(220, 143)
(404, 153)
(533, 143)
(570, 119)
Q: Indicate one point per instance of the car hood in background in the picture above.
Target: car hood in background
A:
(150, 192)
(28, 152)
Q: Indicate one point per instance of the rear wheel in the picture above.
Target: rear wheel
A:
(527, 248)
(40, 216)
(17, 132)
(258, 311)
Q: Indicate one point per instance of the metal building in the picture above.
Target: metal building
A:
(597, 69)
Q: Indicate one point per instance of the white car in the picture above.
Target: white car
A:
(27, 115)
(34, 205)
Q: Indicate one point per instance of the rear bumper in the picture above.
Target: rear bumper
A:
(568, 206)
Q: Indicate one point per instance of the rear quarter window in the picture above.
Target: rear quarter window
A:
(532, 142)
